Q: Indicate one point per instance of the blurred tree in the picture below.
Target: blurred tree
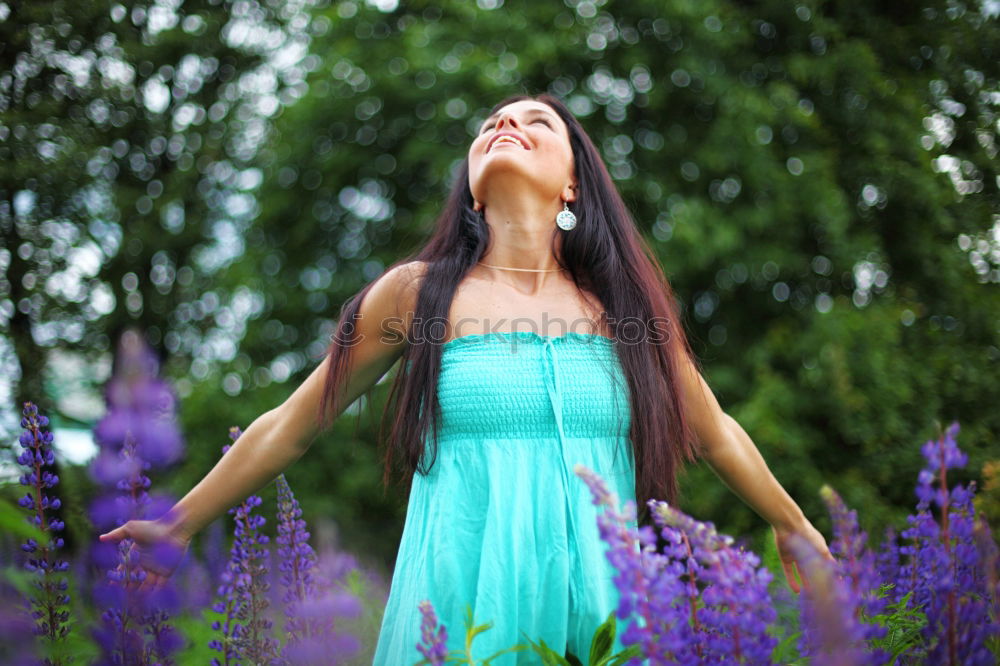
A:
(124, 140)
(786, 160)
(819, 181)
(125, 133)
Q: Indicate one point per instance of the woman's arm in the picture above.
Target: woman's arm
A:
(737, 461)
(731, 454)
(734, 458)
(279, 437)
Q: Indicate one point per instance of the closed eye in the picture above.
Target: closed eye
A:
(540, 119)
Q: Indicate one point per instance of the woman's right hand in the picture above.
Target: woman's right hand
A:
(160, 548)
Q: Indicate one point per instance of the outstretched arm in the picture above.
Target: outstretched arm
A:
(734, 458)
(274, 440)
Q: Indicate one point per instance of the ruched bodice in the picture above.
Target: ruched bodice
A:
(501, 523)
(497, 385)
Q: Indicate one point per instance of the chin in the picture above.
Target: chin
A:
(507, 173)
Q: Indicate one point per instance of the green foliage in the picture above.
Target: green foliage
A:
(197, 632)
(786, 625)
(77, 646)
(818, 181)
(471, 631)
(13, 521)
(600, 649)
(903, 627)
(365, 627)
(604, 640)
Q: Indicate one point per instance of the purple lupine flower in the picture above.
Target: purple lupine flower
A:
(140, 405)
(857, 564)
(887, 560)
(229, 597)
(332, 647)
(301, 598)
(831, 634)
(214, 549)
(195, 584)
(138, 433)
(42, 559)
(228, 626)
(342, 571)
(337, 566)
(15, 624)
(129, 615)
(653, 593)
(251, 562)
(298, 560)
(119, 634)
(244, 590)
(944, 569)
(989, 556)
(701, 600)
(730, 624)
(632, 553)
(433, 644)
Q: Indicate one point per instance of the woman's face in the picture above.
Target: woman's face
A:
(525, 141)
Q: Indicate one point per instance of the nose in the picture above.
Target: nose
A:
(507, 120)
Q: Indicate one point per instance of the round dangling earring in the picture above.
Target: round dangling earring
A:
(566, 220)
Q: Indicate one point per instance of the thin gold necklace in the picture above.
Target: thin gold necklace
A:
(529, 270)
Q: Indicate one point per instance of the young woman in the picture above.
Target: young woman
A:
(538, 324)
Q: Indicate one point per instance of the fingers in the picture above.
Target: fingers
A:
(789, 568)
(153, 582)
(150, 583)
(805, 580)
(115, 535)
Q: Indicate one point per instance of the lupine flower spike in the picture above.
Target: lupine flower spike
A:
(945, 570)
(832, 634)
(50, 621)
(632, 552)
(246, 631)
(433, 637)
(131, 616)
(729, 622)
(310, 612)
(856, 563)
(137, 433)
(297, 562)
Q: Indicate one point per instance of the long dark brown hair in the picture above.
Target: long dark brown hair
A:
(606, 255)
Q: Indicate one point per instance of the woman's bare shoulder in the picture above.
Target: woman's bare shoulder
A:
(410, 271)
(408, 277)
(401, 284)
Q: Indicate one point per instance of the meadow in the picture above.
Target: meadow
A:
(688, 594)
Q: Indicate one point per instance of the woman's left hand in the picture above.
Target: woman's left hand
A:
(788, 561)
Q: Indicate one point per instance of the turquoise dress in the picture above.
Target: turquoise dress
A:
(501, 523)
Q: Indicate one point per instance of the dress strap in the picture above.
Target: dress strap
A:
(550, 361)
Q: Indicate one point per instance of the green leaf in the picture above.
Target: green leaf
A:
(903, 626)
(628, 653)
(471, 631)
(548, 655)
(785, 650)
(604, 640)
(13, 520)
(515, 648)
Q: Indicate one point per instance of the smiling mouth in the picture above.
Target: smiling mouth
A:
(505, 139)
